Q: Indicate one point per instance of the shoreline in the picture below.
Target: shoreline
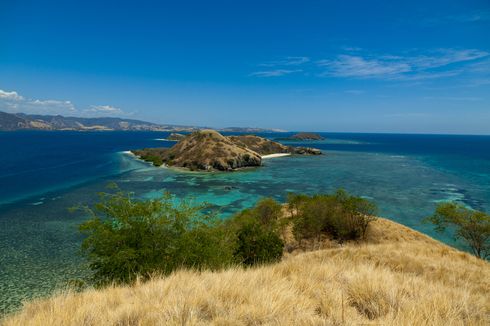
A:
(181, 169)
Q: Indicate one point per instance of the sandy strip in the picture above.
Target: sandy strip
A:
(128, 153)
(275, 155)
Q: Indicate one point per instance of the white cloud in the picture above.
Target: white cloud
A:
(51, 106)
(104, 109)
(274, 73)
(4, 95)
(12, 102)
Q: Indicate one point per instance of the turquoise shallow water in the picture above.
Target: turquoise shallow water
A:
(405, 175)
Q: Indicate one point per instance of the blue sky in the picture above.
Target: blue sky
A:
(365, 66)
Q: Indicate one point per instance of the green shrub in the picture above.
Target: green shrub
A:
(342, 216)
(156, 160)
(268, 212)
(473, 227)
(256, 244)
(128, 238)
(257, 233)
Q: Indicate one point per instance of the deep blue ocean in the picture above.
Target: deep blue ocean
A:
(42, 174)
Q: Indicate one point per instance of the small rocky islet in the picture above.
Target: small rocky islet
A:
(303, 136)
(208, 150)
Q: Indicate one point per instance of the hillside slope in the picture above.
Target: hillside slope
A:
(398, 277)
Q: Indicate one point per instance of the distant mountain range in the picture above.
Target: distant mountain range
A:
(22, 121)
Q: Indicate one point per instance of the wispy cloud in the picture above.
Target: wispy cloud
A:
(444, 57)
(397, 67)
(414, 65)
(275, 72)
(13, 102)
(356, 66)
(288, 61)
(104, 110)
(281, 67)
(469, 17)
(419, 76)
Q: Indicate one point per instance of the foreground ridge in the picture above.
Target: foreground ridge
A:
(397, 276)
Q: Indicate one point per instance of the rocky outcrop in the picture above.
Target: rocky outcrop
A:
(305, 151)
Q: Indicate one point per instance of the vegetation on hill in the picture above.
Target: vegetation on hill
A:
(208, 150)
(395, 276)
(127, 238)
(473, 227)
(342, 216)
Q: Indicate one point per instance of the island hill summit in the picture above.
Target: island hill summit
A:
(208, 150)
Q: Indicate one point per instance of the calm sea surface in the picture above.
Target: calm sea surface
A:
(42, 174)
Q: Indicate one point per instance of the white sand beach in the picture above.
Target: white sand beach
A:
(275, 155)
(128, 153)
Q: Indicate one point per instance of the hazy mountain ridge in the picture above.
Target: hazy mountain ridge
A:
(22, 121)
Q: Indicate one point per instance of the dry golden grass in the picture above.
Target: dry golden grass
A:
(398, 277)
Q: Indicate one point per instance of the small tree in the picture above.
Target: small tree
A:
(356, 213)
(294, 203)
(473, 227)
(128, 238)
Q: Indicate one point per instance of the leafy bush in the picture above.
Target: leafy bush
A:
(268, 212)
(257, 232)
(341, 215)
(257, 244)
(128, 238)
(473, 227)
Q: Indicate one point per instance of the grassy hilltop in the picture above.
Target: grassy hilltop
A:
(396, 276)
